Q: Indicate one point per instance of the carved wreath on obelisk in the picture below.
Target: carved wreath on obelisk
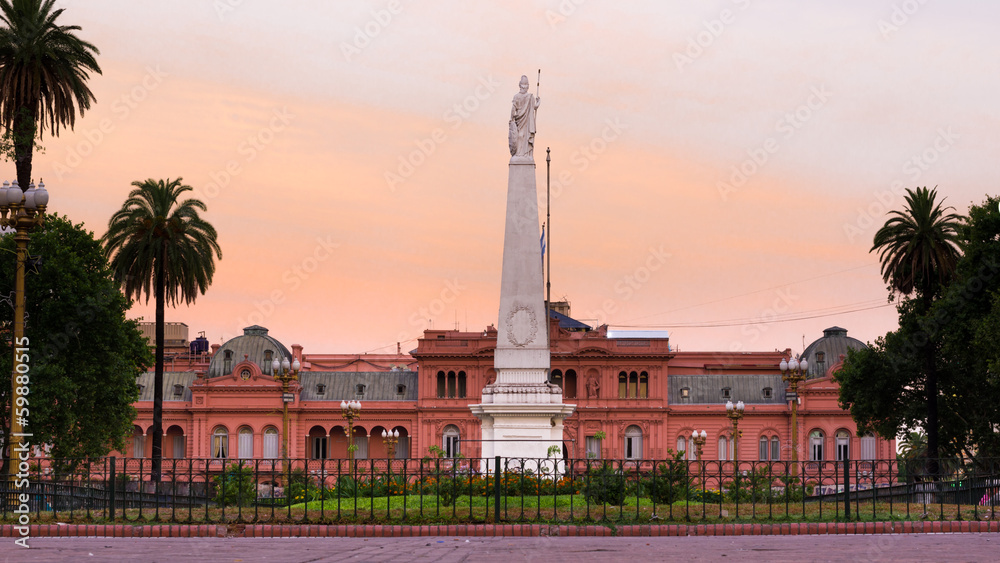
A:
(521, 319)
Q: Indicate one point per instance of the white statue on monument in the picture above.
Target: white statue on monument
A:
(522, 121)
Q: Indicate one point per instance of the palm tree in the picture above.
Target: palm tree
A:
(919, 253)
(158, 245)
(44, 69)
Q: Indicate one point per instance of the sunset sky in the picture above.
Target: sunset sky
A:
(718, 168)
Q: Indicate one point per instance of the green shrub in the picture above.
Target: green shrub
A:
(236, 485)
(605, 485)
(671, 481)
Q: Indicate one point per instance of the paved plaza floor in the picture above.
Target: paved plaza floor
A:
(895, 547)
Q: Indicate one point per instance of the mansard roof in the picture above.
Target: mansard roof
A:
(343, 386)
(830, 347)
(707, 389)
(252, 346)
(170, 379)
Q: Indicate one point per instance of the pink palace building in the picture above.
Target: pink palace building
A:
(644, 396)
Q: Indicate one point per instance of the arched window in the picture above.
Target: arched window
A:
(725, 448)
(361, 440)
(556, 378)
(775, 449)
(622, 385)
(682, 445)
(816, 445)
(461, 384)
(178, 446)
(452, 384)
(450, 441)
(569, 388)
(868, 447)
(843, 445)
(138, 444)
(633, 385)
(245, 443)
(318, 443)
(271, 445)
(220, 443)
(764, 448)
(633, 442)
(441, 385)
(643, 385)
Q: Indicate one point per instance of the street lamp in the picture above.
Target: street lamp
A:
(26, 210)
(735, 414)
(282, 373)
(351, 410)
(699, 441)
(794, 372)
(390, 438)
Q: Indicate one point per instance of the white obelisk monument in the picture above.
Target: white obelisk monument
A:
(522, 414)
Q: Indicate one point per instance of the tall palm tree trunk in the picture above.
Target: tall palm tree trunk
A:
(931, 387)
(158, 376)
(24, 144)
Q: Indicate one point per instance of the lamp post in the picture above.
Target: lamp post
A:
(351, 410)
(699, 442)
(793, 373)
(282, 373)
(735, 414)
(390, 438)
(26, 210)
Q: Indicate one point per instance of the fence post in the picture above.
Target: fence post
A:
(496, 491)
(847, 487)
(111, 490)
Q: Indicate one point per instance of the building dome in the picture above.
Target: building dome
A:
(254, 346)
(826, 351)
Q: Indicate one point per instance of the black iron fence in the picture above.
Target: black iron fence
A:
(496, 490)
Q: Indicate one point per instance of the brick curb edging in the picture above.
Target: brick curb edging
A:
(503, 530)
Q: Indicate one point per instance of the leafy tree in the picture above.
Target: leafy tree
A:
(913, 445)
(885, 385)
(967, 318)
(84, 355)
(44, 69)
(161, 247)
(919, 254)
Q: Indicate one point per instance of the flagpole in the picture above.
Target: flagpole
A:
(548, 231)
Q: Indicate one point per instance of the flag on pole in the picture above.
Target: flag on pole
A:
(542, 241)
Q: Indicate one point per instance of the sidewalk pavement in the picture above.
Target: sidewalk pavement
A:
(490, 530)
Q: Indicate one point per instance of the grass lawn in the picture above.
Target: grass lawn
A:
(429, 509)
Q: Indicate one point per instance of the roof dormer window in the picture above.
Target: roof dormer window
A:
(178, 391)
(359, 390)
(321, 389)
(727, 393)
